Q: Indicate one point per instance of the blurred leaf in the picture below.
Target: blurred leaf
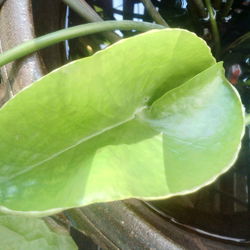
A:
(23, 233)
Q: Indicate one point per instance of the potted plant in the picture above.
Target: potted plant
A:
(135, 205)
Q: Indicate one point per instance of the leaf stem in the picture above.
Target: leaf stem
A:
(154, 13)
(238, 41)
(227, 8)
(214, 28)
(247, 119)
(200, 8)
(82, 8)
(217, 4)
(36, 44)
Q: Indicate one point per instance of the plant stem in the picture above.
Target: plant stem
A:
(31, 46)
(247, 119)
(214, 28)
(238, 41)
(199, 6)
(154, 13)
(227, 8)
(82, 8)
(217, 4)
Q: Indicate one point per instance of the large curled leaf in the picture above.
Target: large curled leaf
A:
(22, 233)
(151, 116)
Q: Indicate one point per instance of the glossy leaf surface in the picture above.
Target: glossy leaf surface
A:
(149, 117)
(22, 233)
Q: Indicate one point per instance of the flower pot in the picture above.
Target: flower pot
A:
(130, 224)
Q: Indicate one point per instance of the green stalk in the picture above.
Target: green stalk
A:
(41, 42)
(217, 4)
(238, 41)
(227, 8)
(199, 6)
(154, 13)
(83, 9)
(214, 28)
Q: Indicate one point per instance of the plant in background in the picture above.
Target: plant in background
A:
(150, 117)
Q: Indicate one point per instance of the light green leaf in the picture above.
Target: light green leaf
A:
(23, 233)
(151, 116)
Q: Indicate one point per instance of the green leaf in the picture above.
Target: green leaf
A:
(23, 233)
(150, 117)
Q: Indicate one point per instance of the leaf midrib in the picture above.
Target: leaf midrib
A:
(82, 140)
